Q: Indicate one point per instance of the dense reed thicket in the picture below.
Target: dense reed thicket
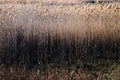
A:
(59, 41)
(59, 35)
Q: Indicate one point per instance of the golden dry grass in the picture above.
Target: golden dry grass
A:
(66, 37)
(29, 1)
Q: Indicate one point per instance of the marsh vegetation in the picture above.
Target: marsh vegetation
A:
(59, 41)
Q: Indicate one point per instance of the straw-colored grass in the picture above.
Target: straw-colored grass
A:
(55, 36)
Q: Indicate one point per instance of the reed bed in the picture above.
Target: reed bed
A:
(59, 36)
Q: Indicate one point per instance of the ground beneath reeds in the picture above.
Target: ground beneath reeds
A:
(94, 73)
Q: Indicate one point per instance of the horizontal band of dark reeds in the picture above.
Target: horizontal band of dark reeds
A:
(64, 47)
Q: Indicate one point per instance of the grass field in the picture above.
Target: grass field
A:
(45, 41)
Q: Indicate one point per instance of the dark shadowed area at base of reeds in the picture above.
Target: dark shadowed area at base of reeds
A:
(61, 49)
(20, 48)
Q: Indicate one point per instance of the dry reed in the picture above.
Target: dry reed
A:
(59, 35)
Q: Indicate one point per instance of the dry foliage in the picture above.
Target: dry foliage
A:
(58, 36)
